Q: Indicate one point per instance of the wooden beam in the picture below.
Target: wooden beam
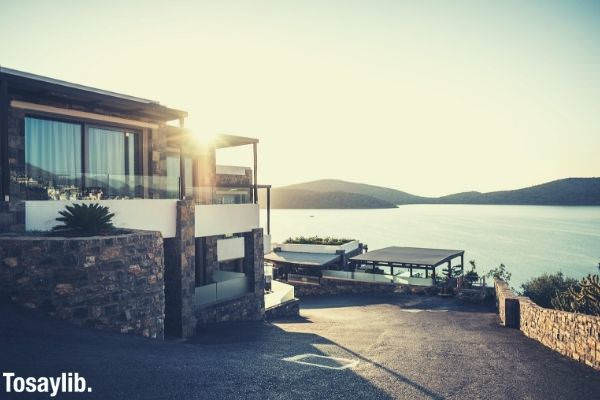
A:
(81, 114)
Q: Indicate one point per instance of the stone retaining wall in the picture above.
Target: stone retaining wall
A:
(247, 308)
(573, 335)
(339, 286)
(106, 282)
(290, 308)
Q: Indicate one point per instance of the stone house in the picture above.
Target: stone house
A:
(62, 143)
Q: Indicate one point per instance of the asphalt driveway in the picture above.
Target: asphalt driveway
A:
(394, 346)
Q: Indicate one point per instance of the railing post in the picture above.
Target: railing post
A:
(268, 210)
(254, 151)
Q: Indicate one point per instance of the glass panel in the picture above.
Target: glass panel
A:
(106, 162)
(131, 149)
(189, 173)
(173, 173)
(52, 157)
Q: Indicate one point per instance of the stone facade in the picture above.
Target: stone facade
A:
(235, 180)
(112, 283)
(573, 335)
(246, 308)
(180, 273)
(288, 309)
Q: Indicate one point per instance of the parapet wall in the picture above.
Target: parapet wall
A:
(573, 335)
(106, 282)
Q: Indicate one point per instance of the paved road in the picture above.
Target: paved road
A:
(405, 346)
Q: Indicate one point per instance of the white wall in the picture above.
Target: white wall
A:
(318, 248)
(267, 243)
(230, 249)
(146, 214)
(219, 219)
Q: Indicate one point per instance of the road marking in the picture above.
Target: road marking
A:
(345, 363)
(417, 310)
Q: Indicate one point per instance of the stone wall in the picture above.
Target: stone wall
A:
(338, 286)
(290, 308)
(246, 308)
(180, 273)
(112, 283)
(235, 180)
(573, 335)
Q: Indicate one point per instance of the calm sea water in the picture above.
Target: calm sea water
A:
(529, 240)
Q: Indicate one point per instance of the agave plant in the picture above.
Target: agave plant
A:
(85, 220)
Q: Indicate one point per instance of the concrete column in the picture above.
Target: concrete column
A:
(180, 274)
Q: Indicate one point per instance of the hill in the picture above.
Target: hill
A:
(298, 198)
(569, 191)
(332, 193)
(386, 194)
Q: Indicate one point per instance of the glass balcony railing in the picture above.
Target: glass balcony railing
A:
(94, 187)
(220, 194)
(226, 285)
(87, 186)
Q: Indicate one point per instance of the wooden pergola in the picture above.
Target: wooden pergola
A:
(409, 258)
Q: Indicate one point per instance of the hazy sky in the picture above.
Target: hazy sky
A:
(430, 97)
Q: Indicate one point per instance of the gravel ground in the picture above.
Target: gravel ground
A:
(395, 346)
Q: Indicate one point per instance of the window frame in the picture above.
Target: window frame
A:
(85, 124)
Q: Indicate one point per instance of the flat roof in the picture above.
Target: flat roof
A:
(43, 85)
(408, 255)
(302, 259)
(224, 140)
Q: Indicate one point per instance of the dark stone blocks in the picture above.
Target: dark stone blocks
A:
(113, 283)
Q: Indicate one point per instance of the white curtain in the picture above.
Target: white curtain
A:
(52, 151)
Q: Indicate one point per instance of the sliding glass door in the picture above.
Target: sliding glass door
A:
(71, 161)
(110, 161)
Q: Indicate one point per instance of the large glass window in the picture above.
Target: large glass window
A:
(56, 168)
(52, 158)
(110, 156)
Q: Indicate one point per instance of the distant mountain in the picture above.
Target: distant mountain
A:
(568, 192)
(386, 194)
(332, 193)
(298, 198)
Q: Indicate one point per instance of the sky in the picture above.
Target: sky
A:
(429, 97)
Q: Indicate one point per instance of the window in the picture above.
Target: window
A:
(52, 157)
(72, 161)
(110, 161)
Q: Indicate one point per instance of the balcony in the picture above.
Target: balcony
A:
(133, 198)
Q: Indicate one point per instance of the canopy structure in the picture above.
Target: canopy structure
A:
(409, 258)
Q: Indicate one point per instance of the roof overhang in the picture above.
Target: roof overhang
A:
(222, 141)
(33, 86)
(183, 137)
(407, 256)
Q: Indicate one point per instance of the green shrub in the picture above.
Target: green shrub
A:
(500, 272)
(544, 288)
(85, 220)
(471, 276)
(583, 297)
(318, 240)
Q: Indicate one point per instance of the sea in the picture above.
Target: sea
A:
(529, 240)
